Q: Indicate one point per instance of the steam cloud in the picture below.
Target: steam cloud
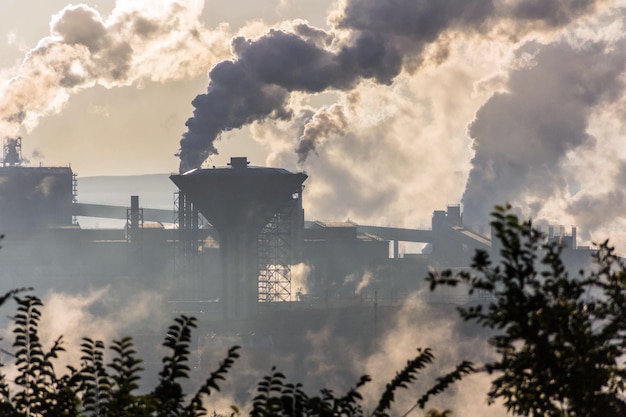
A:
(327, 121)
(139, 41)
(370, 47)
(523, 136)
(529, 138)
(375, 40)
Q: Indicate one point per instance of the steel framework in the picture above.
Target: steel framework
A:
(274, 254)
(75, 196)
(188, 222)
(134, 220)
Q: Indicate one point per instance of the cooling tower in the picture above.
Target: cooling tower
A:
(239, 201)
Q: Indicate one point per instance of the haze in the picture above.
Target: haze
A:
(476, 102)
(394, 108)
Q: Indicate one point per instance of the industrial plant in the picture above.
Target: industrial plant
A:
(236, 251)
(234, 246)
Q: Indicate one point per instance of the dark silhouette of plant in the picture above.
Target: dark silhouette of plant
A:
(96, 386)
(195, 407)
(406, 376)
(560, 340)
(169, 395)
(437, 413)
(124, 381)
(169, 392)
(276, 398)
(99, 389)
(40, 391)
(409, 374)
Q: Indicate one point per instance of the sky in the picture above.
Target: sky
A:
(394, 108)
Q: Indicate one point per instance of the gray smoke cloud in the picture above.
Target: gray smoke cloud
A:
(256, 86)
(327, 121)
(593, 211)
(550, 13)
(422, 20)
(378, 40)
(522, 136)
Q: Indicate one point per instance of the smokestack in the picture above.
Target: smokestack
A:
(238, 162)
(134, 219)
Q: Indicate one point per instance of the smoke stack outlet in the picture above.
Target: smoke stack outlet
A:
(238, 201)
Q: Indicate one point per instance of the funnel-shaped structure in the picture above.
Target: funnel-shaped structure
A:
(238, 201)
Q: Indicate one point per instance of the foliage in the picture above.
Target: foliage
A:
(559, 340)
(96, 389)
(559, 344)
(99, 389)
(276, 398)
(39, 390)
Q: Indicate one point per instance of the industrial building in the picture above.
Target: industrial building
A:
(236, 252)
(233, 246)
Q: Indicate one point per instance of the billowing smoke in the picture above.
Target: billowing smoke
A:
(257, 85)
(327, 121)
(139, 41)
(381, 63)
(524, 136)
(299, 279)
(97, 314)
(374, 40)
(594, 210)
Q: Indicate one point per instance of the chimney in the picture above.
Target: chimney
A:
(238, 162)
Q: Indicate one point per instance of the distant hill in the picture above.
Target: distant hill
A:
(154, 190)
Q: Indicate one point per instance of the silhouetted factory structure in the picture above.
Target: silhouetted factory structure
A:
(239, 243)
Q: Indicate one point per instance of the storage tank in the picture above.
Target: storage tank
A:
(238, 201)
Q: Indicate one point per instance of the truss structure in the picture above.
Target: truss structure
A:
(274, 254)
(75, 196)
(188, 221)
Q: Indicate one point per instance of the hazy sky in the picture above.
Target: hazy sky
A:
(133, 127)
(394, 108)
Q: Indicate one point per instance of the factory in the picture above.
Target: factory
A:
(234, 246)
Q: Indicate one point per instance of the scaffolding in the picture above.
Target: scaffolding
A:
(275, 258)
(187, 263)
(188, 221)
(75, 196)
(12, 152)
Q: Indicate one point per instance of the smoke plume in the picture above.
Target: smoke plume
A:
(327, 121)
(139, 41)
(522, 137)
(374, 40)
(367, 95)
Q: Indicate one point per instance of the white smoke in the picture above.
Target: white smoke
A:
(526, 109)
(299, 279)
(139, 41)
(98, 314)
(441, 332)
(380, 100)
(365, 280)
